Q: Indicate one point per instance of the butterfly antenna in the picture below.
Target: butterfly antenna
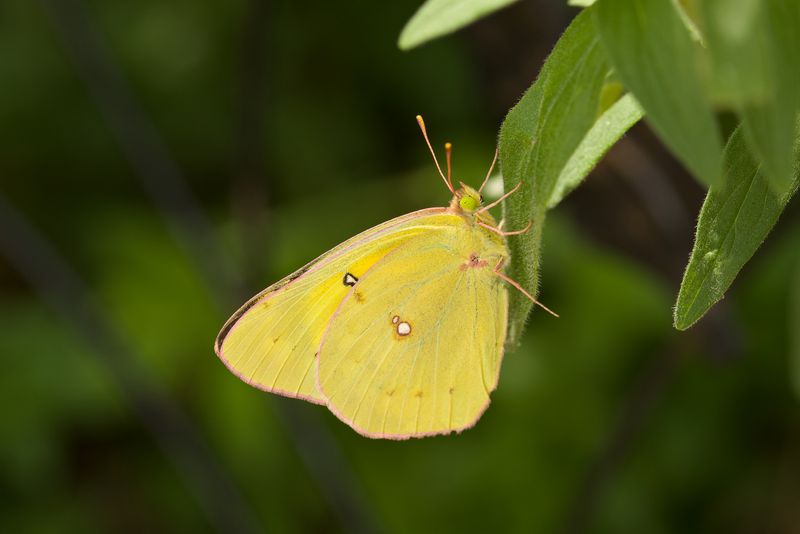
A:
(519, 287)
(488, 174)
(427, 142)
(448, 149)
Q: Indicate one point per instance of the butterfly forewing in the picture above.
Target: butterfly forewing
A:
(272, 341)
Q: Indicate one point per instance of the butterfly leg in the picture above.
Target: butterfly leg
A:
(499, 200)
(514, 283)
(504, 233)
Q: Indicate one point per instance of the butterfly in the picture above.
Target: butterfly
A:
(399, 330)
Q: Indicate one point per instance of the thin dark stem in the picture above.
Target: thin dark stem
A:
(324, 460)
(251, 192)
(142, 145)
(647, 390)
(653, 187)
(29, 252)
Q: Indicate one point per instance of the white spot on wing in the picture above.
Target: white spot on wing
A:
(403, 329)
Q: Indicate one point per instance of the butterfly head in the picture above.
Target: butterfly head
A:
(469, 200)
(465, 199)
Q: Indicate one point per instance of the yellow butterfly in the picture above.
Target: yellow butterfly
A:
(398, 330)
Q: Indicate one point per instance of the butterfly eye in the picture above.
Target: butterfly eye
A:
(468, 203)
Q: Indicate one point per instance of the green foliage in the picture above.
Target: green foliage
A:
(436, 18)
(653, 55)
(550, 140)
(756, 49)
(736, 217)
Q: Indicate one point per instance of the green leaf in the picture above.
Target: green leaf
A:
(436, 18)
(653, 54)
(755, 46)
(606, 131)
(580, 3)
(736, 217)
(539, 137)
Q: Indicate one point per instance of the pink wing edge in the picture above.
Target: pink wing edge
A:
(297, 275)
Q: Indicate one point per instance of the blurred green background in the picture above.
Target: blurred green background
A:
(293, 127)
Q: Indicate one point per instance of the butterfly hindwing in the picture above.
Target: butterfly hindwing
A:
(272, 341)
(415, 349)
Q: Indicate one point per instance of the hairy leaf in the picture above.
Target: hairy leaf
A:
(546, 132)
(736, 217)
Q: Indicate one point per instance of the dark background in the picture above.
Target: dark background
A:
(161, 160)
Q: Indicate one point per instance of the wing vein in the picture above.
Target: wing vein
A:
(306, 326)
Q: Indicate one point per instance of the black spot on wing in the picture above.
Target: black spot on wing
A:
(349, 280)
